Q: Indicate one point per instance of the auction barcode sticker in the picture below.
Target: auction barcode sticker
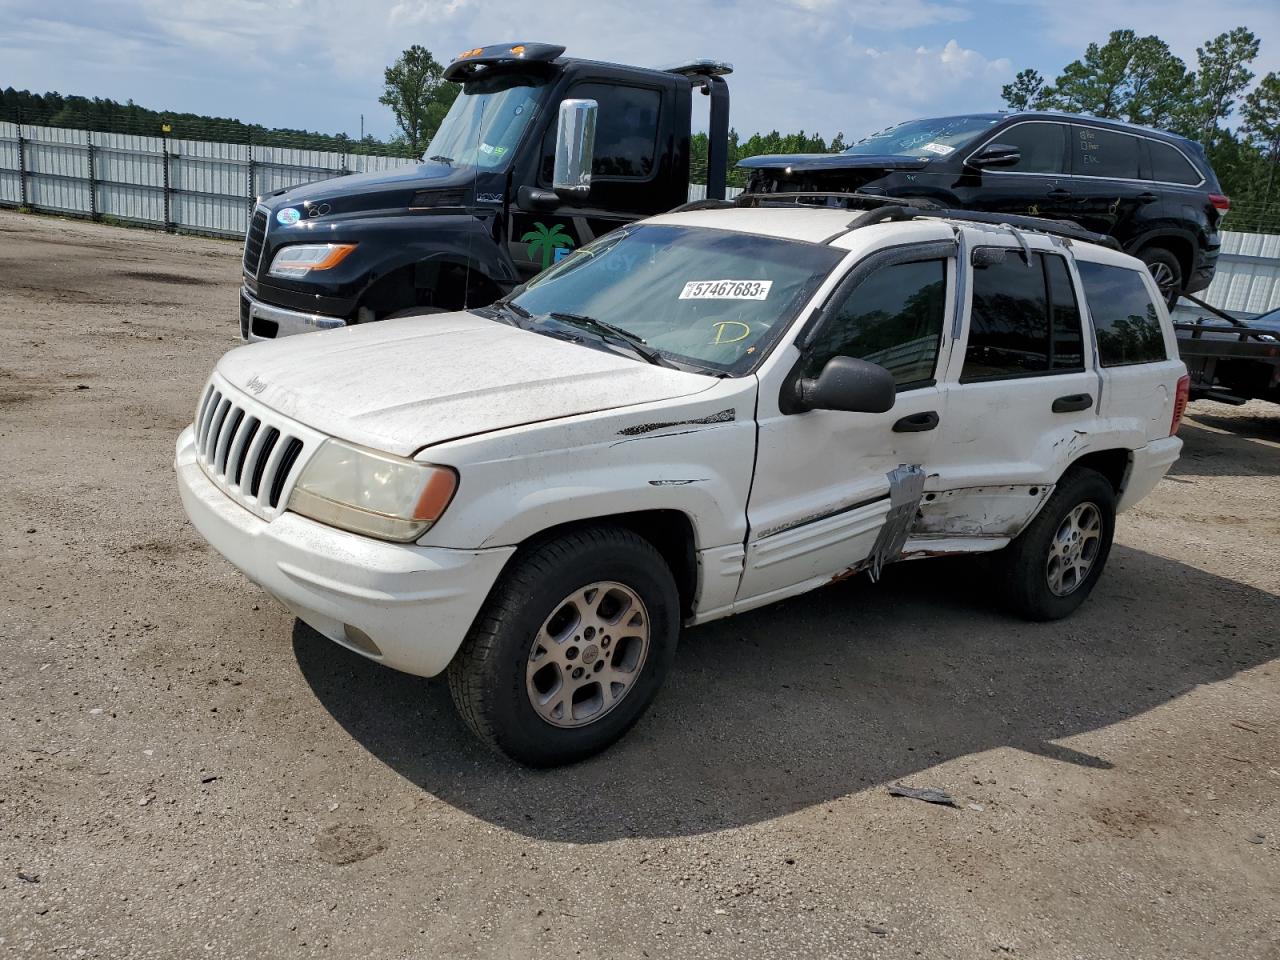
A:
(726, 290)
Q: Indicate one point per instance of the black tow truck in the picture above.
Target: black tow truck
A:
(538, 155)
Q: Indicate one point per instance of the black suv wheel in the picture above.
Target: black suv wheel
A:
(1166, 271)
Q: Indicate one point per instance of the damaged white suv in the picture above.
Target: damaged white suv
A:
(693, 416)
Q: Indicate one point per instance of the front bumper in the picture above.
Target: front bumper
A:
(262, 321)
(407, 606)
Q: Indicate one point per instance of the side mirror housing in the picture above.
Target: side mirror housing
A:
(575, 149)
(995, 155)
(848, 384)
(536, 200)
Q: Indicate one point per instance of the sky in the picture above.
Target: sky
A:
(819, 65)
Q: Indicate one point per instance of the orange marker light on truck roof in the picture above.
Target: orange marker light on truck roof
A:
(518, 50)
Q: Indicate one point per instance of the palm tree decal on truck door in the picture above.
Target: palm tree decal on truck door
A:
(540, 239)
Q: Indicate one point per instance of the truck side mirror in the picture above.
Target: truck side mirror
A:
(575, 149)
(849, 384)
(995, 155)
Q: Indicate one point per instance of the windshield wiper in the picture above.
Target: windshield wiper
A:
(510, 313)
(617, 334)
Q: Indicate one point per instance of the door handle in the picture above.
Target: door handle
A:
(1058, 193)
(916, 422)
(1072, 402)
(1147, 197)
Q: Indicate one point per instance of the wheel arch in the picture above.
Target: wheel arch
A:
(1181, 245)
(1114, 464)
(670, 532)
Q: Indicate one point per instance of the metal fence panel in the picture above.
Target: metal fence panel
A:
(208, 186)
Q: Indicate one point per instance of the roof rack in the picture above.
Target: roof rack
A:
(881, 209)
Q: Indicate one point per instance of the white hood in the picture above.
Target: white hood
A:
(401, 385)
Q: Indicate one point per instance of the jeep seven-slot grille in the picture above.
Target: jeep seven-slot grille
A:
(247, 457)
(253, 241)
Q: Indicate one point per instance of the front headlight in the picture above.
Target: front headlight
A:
(299, 259)
(377, 494)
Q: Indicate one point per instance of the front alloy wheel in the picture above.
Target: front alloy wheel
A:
(570, 647)
(588, 654)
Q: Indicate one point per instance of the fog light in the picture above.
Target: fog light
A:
(361, 640)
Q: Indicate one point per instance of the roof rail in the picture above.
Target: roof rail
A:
(880, 209)
(701, 68)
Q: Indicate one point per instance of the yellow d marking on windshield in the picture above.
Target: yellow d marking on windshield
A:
(720, 326)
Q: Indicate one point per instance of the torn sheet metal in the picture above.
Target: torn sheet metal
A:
(906, 486)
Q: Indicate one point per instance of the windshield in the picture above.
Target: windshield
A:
(709, 297)
(484, 125)
(938, 137)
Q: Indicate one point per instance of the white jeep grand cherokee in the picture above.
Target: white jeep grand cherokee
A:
(691, 417)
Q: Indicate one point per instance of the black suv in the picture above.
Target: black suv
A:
(1154, 192)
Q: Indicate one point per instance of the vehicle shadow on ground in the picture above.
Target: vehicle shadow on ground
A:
(1216, 447)
(812, 699)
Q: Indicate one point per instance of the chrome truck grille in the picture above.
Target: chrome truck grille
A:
(242, 448)
(253, 241)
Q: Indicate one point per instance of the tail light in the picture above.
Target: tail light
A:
(1220, 203)
(1180, 399)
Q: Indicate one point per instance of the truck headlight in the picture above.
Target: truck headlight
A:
(299, 259)
(376, 494)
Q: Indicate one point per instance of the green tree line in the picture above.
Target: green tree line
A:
(111, 116)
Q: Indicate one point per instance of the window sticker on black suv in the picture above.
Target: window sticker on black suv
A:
(1101, 153)
(1024, 320)
(1124, 318)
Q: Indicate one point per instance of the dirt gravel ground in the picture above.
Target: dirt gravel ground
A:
(186, 772)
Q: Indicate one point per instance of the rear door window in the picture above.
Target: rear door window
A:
(1125, 319)
(1104, 153)
(1024, 320)
(893, 318)
(1168, 165)
(1043, 147)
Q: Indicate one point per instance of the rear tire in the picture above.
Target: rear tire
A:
(1166, 271)
(570, 647)
(1053, 565)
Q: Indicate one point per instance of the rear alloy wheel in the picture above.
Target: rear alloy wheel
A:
(1051, 568)
(1166, 271)
(570, 648)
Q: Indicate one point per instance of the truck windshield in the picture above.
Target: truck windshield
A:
(712, 298)
(483, 127)
(938, 137)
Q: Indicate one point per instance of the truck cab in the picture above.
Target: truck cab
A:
(483, 210)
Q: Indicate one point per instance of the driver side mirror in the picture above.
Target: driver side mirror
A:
(848, 384)
(995, 155)
(575, 149)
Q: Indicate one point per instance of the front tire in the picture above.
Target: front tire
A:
(570, 648)
(1166, 271)
(1053, 565)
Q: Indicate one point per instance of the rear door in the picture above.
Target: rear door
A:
(1106, 170)
(823, 492)
(1138, 359)
(1022, 396)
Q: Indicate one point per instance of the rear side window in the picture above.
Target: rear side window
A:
(1104, 153)
(1024, 320)
(1170, 166)
(1042, 145)
(1124, 316)
(893, 318)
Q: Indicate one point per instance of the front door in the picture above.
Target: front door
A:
(829, 484)
(1036, 186)
(626, 174)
